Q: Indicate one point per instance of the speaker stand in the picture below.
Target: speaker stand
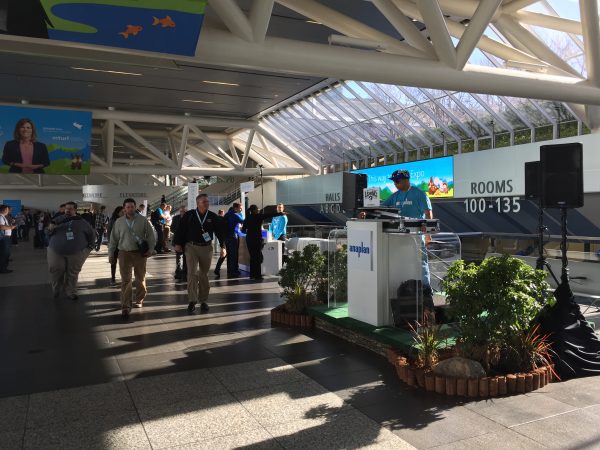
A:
(541, 262)
(574, 341)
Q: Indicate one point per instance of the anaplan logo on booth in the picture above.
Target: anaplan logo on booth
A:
(360, 249)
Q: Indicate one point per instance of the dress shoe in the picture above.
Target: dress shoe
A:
(125, 315)
(138, 304)
(203, 307)
(191, 307)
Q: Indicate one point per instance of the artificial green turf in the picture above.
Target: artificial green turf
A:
(395, 337)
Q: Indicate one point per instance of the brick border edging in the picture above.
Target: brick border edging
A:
(482, 387)
(281, 317)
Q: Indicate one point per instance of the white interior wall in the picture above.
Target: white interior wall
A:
(269, 199)
(46, 200)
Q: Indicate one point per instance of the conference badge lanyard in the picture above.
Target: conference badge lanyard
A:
(70, 235)
(205, 235)
(130, 226)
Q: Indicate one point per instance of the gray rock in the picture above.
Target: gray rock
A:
(459, 367)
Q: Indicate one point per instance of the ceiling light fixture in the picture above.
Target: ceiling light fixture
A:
(314, 21)
(196, 101)
(114, 72)
(363, 44)
(224, 83)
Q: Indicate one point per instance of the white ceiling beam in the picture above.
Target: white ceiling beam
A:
(233, 151)
(158, 180)
(167, 119)
(348, 26)
(260, 16)
(268, 152)
(212, 145)
(486, 44)
(472, 35)
(295, 155)
(97, 160)
(533, 43)
(24, 178)
(147, 145)
(234, 18)
(241, 144)
(591, 39)
(109, 141)
(213, 171)
(516, 5)
(286, 56)
(206, 154)
(438, 31)
(403, 25)
(125, 143)
(547, 21)
(72, 180)
(36, 187)
(247, 149)
(461, 8)
(137, 162)
(183, 145)
(257, 156)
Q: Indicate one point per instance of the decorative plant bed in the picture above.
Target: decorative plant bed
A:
(483, 387)
(281, 317)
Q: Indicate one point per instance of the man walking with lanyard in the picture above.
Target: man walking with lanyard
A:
(134, 236)
(71, 241)
(413, 202)
(195, 235)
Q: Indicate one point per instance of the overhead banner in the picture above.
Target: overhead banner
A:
(164, 26)
(435, 177)
(48, 141)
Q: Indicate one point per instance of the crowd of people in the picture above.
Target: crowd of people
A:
(132, 237)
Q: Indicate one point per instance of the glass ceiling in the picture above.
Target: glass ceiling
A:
(354, 120)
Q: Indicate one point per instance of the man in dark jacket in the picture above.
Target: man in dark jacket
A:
(253, 228)
(180, 263)
(195, 234)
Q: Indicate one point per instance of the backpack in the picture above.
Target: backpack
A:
(155, 217)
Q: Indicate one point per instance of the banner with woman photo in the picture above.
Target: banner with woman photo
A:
(45, 141)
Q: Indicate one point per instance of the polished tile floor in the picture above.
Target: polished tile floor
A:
(74, 376)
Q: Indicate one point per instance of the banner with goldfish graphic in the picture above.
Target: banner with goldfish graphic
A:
(435, 177)
(163, 26)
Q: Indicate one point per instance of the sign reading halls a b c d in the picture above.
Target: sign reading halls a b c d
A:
(360, 250)
(371, 197)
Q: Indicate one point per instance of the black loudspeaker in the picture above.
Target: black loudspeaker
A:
(353, 185)
(561, 170)
(532, 180)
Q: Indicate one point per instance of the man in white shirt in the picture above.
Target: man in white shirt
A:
(6, 230)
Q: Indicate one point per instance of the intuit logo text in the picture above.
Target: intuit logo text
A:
(360, 249)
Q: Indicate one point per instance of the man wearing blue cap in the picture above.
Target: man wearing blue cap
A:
(412, 202)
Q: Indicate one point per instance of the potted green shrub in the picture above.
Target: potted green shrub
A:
(299, 281)
(493, 302)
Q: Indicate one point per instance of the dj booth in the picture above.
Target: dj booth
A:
(385, 265)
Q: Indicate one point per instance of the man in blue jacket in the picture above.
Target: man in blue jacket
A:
(234, 219)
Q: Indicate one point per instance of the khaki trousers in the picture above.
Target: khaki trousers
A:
(127, 261)
(64, 270)
(198, 286)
